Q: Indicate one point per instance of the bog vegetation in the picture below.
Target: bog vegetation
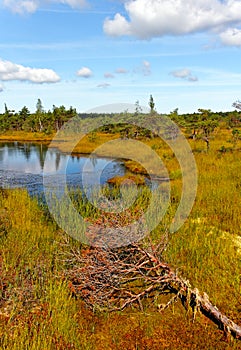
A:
(42, 305)
(50, 121)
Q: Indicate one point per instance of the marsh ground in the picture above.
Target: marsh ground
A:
(37, 310)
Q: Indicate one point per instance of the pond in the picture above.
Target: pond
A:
(25, 164)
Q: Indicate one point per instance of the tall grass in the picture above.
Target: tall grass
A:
(207, 248)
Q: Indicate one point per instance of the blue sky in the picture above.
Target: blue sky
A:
(88, 53)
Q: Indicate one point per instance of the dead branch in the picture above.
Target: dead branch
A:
(114, 279)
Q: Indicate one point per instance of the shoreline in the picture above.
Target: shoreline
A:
(38, 138)
(86, 147)
(22, 136)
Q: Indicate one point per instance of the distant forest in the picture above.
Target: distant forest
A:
(52, 120)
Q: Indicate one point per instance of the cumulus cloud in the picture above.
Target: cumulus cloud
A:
(13, 71)
(118, 26)
(25, 6)
(184, 73)
(231, 37)
(155, 18)
(84, 72)
(30, 6)
(103, 85)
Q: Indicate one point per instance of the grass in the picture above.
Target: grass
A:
(37, 310)
(26, 136)
(127, 179)
(81, 144)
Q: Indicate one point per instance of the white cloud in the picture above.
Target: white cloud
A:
(103, 85)
(156, 18)
(146, 68)
(231, 37)
(118, 26)
(84, 72)
(23, 6)
(121, 71)
(72, 3)
(192, 78)
(108, 75)
(13, 71)
(181, 73)
(184, 73)
(30, 6)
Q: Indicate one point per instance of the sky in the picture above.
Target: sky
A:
(90, 53)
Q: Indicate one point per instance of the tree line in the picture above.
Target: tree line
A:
(39, 121)
(203, 122)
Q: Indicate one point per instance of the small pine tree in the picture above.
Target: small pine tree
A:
(6, 110)
(39, 106)
(39, 113)
(138, 108)
(151, 104)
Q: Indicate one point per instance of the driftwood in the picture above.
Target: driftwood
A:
(114, 279)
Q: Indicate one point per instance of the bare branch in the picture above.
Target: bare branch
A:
(114, 279)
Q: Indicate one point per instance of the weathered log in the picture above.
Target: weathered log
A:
(214, 314)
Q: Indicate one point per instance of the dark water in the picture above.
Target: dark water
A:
(26, 164)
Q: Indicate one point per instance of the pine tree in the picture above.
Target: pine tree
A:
(152, 104)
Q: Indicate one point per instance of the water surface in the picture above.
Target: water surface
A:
(25, 164)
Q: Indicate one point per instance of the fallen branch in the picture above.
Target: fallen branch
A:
(114, 279)
(213, 313)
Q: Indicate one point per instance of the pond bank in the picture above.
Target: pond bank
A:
(89, 144)
(85, 147)
(24, 137)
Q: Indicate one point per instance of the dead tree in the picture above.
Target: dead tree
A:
(206, 139)
(114, 279)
